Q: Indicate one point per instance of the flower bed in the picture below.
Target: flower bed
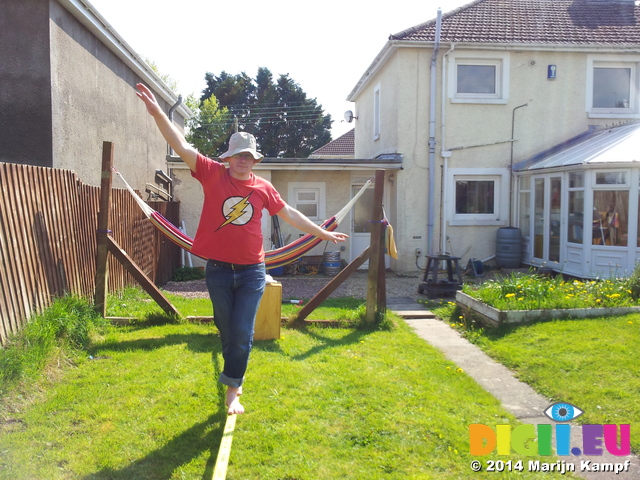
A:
(524, 298)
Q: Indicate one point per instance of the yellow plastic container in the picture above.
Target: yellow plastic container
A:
(269, 313)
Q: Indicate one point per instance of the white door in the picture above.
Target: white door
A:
(361, 222)
(547, 222)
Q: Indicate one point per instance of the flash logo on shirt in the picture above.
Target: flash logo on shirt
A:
(237, 211)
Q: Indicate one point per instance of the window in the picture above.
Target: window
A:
(309, 198)
(478, 199)
(612, 87)
(474, 79)
(524, 211)
(475, 196)
(376, 113)
(478, 78)
(575, 225)
(610, 216)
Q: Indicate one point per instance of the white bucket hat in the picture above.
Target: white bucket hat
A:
(241, 142)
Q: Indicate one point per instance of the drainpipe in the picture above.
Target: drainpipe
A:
(432, 135)
(170, 115)
(513, 123)
(444, 152)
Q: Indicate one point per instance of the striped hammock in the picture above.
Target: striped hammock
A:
(273, 258)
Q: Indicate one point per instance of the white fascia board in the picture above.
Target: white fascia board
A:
(86, 14)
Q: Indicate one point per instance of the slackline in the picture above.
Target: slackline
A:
(222, 462)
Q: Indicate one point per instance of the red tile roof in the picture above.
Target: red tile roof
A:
(343, 146)
(553, 22)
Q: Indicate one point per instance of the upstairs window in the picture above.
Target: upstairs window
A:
(478, 78)
(612, 88)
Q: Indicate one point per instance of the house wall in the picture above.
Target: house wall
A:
(93, 100)
(25, 100)
(404, 129)
(475, 140)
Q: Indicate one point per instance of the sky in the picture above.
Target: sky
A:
(325, 47)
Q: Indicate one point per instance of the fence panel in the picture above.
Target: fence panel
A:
(48, 221)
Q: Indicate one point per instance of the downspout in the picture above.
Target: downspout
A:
(511, 179)
(432, 135)
(444, 153)
(170, 115)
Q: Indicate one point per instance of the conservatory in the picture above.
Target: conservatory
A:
(578, 207)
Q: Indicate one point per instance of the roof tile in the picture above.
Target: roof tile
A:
(343, 146)
(553, 22)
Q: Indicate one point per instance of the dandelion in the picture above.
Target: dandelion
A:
(509, 295)
(459, 370)
(461, 317)
(448, 368)
(630, 322)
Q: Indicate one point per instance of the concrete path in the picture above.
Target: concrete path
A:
(516, 397)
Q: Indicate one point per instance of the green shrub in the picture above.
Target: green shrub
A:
(184, 274)
(633, 283)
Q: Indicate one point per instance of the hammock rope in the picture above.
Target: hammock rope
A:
(273, 258)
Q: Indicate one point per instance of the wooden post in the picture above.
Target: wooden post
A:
(137, 273)
(376, 252)
(329, 288)
(102, 233)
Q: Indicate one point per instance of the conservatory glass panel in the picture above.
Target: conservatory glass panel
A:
(610, 217)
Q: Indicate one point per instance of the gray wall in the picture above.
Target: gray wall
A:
(25, 91)
(64, 92)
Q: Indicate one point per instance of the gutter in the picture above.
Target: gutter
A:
(432, 136)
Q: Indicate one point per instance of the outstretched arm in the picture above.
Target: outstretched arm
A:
(297, 219)
(171, 134)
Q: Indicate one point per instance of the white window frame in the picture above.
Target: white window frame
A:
(599, 61)
(320, 187)
(499, 60)
(499, 176)
(376, 112)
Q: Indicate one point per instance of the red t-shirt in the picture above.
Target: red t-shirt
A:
(230, 228)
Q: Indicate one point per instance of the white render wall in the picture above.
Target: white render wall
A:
(477, 136)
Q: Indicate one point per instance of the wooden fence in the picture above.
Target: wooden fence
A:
(48, 221)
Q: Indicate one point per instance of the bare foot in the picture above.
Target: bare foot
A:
(233, 401)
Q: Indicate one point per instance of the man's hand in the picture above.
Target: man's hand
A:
(149, 99)
(169, 132)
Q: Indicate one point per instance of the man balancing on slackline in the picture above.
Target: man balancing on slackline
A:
(230, 236)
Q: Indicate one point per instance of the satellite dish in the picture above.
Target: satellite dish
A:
(348, 116)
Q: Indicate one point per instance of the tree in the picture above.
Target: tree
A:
(207, 130)
(285, 122)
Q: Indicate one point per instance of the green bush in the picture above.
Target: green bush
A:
(633, 283)
(184, 274)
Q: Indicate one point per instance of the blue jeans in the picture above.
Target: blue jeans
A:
(235, 295)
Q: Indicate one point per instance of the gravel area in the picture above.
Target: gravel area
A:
(306, 286)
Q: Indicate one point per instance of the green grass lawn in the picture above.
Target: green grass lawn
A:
(591, 363)
(322, 403)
